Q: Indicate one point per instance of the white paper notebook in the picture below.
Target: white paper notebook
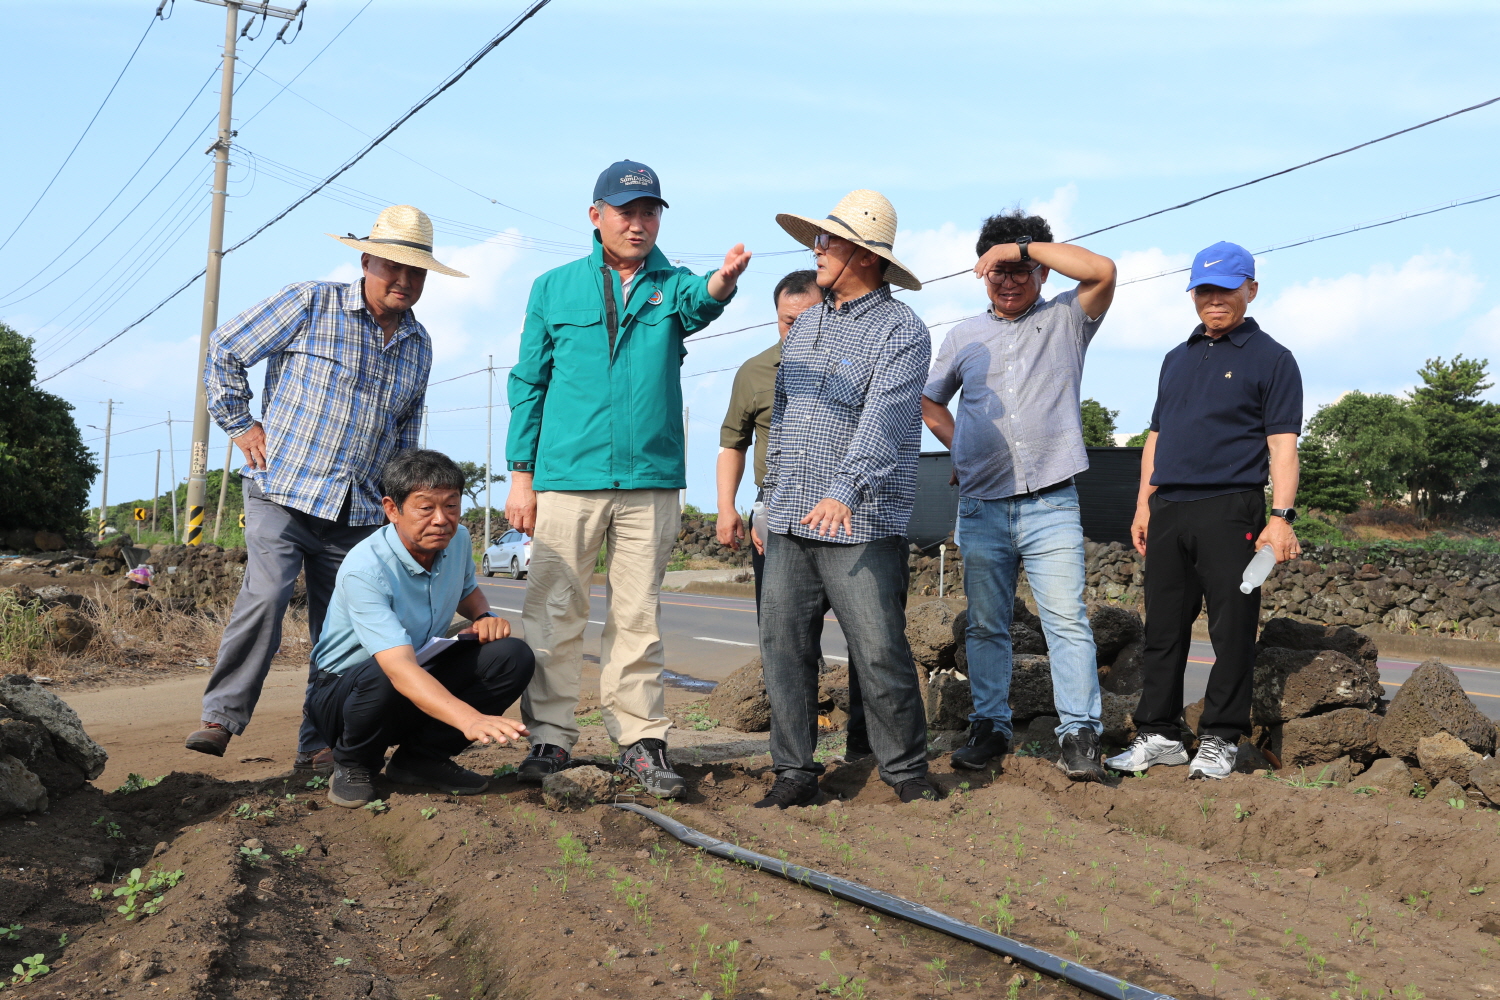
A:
(434, 646)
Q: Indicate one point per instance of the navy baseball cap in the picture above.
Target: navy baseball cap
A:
(1225, 265)
(626, 181)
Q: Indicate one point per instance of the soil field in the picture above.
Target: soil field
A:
(1249, 887)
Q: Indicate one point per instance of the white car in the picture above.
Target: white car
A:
(510, 553)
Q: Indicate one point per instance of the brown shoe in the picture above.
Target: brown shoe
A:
(314, 762)
(212, 739)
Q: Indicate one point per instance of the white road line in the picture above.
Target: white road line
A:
(517, 611)
(727, 642)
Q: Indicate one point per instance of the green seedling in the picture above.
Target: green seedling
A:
(255, 857)
(1418, 790)
(377, 806)
(111, 828)
(11, 933)
(1240, 813)
(341, 962)
(847, 986)
(96, 894)
(317, 781)
(135, 783)
(699, 720)
(29, 969)
(1001, 916)
(594, 718)
(62, 940)
(1457, 803)
(428, 812)
(1476, 890)
(503, 770)
(294, 853)
(1077, 948)
(730, 977)
(135, 887)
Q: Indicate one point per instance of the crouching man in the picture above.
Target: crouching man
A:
(397, 590)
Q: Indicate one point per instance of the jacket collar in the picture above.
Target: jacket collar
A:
(1238, 336)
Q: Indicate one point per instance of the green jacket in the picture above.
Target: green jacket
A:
(583, 418)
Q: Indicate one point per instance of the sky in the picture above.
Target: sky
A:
(1087, 113)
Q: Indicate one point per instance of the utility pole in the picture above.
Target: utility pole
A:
(223, 489)
(156, 491)
(197, 492)
(687, 412)
(172, 470)
(426, 417)
(489, 436)
(109, 419)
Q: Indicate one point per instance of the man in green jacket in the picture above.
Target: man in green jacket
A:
(595, 450)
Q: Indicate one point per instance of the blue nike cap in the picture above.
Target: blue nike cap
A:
(1225, 265)
(626, 181)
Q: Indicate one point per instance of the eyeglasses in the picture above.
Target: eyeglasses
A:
(1016, 276)
(822, 242)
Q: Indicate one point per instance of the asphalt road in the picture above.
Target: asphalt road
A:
(710, 637)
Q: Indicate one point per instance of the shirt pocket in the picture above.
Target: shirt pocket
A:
(848, 381)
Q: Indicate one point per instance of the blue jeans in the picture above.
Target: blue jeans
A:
(1046, 534)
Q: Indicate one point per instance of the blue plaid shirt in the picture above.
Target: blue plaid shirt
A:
(847, 420)
(339, 402)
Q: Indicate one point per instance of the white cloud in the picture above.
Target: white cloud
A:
(1149, 315)
(1057, 210)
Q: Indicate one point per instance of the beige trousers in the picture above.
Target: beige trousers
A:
(641, 529)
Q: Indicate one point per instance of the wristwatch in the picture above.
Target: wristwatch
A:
(1287, 514)
(487, 614)
(1021, 242)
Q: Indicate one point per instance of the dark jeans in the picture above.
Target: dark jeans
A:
(866, 586)
(858, 738)
(360, 713)
(279, 543)
(1197, 549)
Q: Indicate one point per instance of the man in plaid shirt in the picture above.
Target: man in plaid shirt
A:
(841, 476)
(346, 374)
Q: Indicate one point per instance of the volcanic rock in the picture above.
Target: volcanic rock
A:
(1318, 739)
(1390, 776)
(1432, 701)
(1444, 756)
(68, 631)
(1124, 675)
(1485, 776)
(577, 788)
(935, 631)
(1445, 791)
(1292, 683)
(1285, 633)
(36, 704)
(1118, 716)
(1114, 628)
(740, 700)
(1031, 687)
(20, 790)
(949, 701)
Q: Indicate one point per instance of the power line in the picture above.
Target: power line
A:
(67, 159)
(305, 68)
(452, 79)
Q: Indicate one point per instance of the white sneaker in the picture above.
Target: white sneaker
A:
(1215, 758)
(1148, 750)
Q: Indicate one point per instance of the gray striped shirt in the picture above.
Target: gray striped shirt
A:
(1017, 428)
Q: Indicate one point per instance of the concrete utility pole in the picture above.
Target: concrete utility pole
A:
(489, 436)
(156, 491)
(197, 492)
(172, 470)
(426, 419)
(223, 489)
(687, 412)
(109, 419)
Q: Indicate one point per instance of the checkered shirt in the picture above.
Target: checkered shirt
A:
(338, 402)
(847, 420)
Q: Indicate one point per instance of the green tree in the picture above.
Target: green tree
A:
(474, 483)
(1098, 424)
(45, 471)
(1325, 482)
(1462, 432)
(1139, 440)
(1378, 438)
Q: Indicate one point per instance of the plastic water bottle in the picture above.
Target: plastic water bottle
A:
(1260, 567)
(757, 512)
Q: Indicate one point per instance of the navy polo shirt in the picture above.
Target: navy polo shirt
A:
(1216, 401)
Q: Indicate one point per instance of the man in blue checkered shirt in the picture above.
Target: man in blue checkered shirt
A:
(346, 374)
(841, 477)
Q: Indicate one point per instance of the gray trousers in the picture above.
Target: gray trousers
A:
(865, 584)
(279, 544)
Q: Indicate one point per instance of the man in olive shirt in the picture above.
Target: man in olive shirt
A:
(750, 416)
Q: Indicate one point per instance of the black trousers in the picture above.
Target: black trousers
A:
(361, 714)
(1198, 549)
(858, 739)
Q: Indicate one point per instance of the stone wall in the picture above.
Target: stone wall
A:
(699, 541)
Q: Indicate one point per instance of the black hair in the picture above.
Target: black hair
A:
(796, 283)
(419, 469)
(1007, 226)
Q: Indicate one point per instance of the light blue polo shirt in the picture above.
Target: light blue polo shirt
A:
(384, 598)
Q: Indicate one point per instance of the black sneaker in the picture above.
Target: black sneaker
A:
(434, 772)
(985, 743)
(351, 787)
(544, 759)
(913, 789)
(1080, 756)
(789, 792)
(857, 748)
(646, 762)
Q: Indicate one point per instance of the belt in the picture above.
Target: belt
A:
(1044, 490)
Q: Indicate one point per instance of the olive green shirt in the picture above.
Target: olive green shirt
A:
(750, 407)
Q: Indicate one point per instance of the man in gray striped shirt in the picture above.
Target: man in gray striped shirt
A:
(1017, 443)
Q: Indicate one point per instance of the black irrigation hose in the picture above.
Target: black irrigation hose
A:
(1081, 976)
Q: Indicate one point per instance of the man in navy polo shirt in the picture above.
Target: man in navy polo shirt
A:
(1228, 412)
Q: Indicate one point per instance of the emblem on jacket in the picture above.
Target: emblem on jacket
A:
(655, 299)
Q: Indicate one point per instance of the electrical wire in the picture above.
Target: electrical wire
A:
(97, 111)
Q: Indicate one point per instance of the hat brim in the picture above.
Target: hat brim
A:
(1218, 281)
(410, 256)
(626, 197)
(804, 230)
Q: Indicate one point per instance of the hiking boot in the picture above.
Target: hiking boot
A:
(985, 743)
(310, 762)
(1215, 758)
(352, 786)
(544, 759)
(1149, 749)
(789, 791)
(434, 772)
(913, 789)
(212, 739)
(646, 761)
(1080, 756)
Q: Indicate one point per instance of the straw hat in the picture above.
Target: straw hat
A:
(402, 234)
(862, 217)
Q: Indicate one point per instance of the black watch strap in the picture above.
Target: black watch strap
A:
(1287, 514)
(1023, 242)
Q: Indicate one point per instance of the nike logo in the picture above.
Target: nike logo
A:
(1211, 263)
